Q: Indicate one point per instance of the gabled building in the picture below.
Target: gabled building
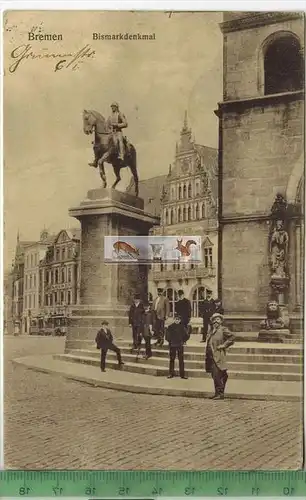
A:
(59, 280)
(188, 206)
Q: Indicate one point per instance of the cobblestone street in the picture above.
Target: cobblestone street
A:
(54, 423)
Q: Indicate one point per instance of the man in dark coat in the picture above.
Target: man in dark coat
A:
(183, 309)
(218, 340)
(208, 308)
(148, 329)
(105, 342)
(176, 336)
(136, 320)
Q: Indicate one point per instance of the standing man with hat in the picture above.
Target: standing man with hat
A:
(116, 122)
(161, 308)
(218, 340)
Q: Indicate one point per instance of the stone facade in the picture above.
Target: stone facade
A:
(59, 280)
(261, 155)
(189, 207)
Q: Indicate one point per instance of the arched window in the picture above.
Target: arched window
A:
(63, 276)
(185, 213)
(198, 297)
(189, 213)
(196, 211)
(184, 192)
(189, 190)
(178, 214)
(173, 298)
(179, 192)
(203, 210)
(171, 216)
(283, 64)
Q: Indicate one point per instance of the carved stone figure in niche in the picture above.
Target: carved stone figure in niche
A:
(273, 320)
(279, 207)
(279, 249)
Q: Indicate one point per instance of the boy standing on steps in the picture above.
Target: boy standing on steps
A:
(104, 341)
(176, 336)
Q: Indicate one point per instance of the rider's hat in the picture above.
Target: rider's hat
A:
(114, 103)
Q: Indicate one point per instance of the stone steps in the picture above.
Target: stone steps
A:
(199, 356)
(197, 347)
(195, 366)
(143, 366)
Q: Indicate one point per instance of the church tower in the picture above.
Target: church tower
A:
(260, 156)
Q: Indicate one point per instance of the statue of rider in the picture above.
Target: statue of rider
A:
(116, 122)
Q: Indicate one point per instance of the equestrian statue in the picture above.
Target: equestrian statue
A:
(109, 144)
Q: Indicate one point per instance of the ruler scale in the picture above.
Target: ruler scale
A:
(151, 484)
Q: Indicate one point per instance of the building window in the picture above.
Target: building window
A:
(69, 275)
(189, 213)
(171, 216)
(189, 190)
(203, 211)
(63, 253)
(62, 297)
(198, 297)
(185, 213)
(50, 299)
(34, 301)
(46, 300)
(69, 252)
(30, 301)
(69, 297)
(30, 281)
(58, 255)
(197, 189)
(196, 211)
(173, 298)
(26, 282)
(63, 275)
(179, 192)
(34, 280)
(56, 275)
(184, 192)
(26, 302)
(178, 214)
(31, 260)
(208, 257)
(283, 64)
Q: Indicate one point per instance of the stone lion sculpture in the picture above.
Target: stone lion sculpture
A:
(273, 320)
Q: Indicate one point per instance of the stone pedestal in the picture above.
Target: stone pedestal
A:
(107, 289)
(273, 335)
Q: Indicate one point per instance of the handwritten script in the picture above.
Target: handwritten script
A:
(69, 60)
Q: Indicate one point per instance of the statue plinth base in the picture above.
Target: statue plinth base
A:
(273, 335)
(107, 289)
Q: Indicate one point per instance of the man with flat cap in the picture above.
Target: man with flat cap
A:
(116, 122)
(161, 308)
(176, 336)
(219, 339)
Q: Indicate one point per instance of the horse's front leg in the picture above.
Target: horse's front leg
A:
(117, 174)
(102, 172)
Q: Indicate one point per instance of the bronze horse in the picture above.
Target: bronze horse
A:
(105, 149)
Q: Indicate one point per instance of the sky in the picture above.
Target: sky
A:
(155, 81)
